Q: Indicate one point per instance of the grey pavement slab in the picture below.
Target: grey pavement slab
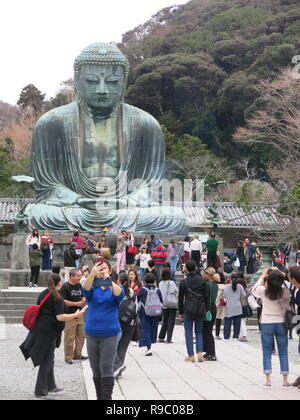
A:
(18, 377)
(237, 375)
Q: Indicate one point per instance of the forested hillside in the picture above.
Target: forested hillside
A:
(197, 67)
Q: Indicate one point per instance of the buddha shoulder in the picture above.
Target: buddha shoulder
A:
(139, 116)
(58, 114)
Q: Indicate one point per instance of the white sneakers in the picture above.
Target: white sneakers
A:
(118, 372)
(148, 353)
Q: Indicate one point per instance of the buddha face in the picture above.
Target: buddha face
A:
(101, 86)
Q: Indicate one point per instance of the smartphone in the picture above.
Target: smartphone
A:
(99, 260)
(99, 281)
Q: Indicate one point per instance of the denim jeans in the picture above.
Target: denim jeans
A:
(188, 329)
(142, 273)
(268, 331)
(236, 326)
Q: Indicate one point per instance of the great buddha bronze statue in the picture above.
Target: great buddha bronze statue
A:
(95, 159)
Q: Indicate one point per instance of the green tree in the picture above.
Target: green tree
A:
(31, 98)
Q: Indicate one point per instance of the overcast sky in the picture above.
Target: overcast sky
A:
(40, 39)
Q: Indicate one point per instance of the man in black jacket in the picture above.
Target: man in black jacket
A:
(194, 286)
(70, 258)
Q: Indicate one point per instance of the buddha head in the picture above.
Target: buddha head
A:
(101, 72)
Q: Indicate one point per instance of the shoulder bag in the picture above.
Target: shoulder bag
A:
(171, 299)
(194, 304)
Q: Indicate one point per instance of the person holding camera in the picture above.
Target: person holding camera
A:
(102, 326)
(275, 301)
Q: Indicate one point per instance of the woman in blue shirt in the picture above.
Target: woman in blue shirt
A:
(102, 326)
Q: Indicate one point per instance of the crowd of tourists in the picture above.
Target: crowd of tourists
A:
(113, 306)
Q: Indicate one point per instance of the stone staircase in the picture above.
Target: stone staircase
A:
(14, 301)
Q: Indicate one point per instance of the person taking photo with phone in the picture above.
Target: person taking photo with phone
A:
(102, 326)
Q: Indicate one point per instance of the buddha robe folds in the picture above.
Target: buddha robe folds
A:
(65, 194)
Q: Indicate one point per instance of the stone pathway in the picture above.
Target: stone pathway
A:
(237, 375)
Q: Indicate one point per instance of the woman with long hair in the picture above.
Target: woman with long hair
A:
(40, 343)
(33, 238)
(275, 301)
(102, 326)
(134, 282)
(233, 294)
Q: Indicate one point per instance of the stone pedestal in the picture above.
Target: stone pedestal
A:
(221, 252)
(20, 278)
(20, 253)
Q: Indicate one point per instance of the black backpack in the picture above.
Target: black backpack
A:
(128, 312)
(194, 304)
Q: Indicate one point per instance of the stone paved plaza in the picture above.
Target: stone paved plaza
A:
(237, 375)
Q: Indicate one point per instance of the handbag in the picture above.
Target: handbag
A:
(252, 302)
(171, 299)
(222, 302)
(288, 319)
(136, 336)
(194, 305)
(208, 317)
(32, 313)
(132, 250)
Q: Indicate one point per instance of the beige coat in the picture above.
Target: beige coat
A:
(220, 309)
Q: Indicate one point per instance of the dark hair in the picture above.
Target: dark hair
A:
(137, 280)
(167, 265)
(89, 250)
(149, 278)
(151, 263)
(166, 274)
(186, 238)
(73, 272)
(53, 281)
(122, 272)
(242, 282)
(275, 280)
(222, 277)
(35, 246)
(76, 234)
(152, 237)
(123, 278)
(55, 269)
(172, 242)
(294, 272)
(235, 277)
(190, 266)
(108, 264)
(35, 232)
(114, 276)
